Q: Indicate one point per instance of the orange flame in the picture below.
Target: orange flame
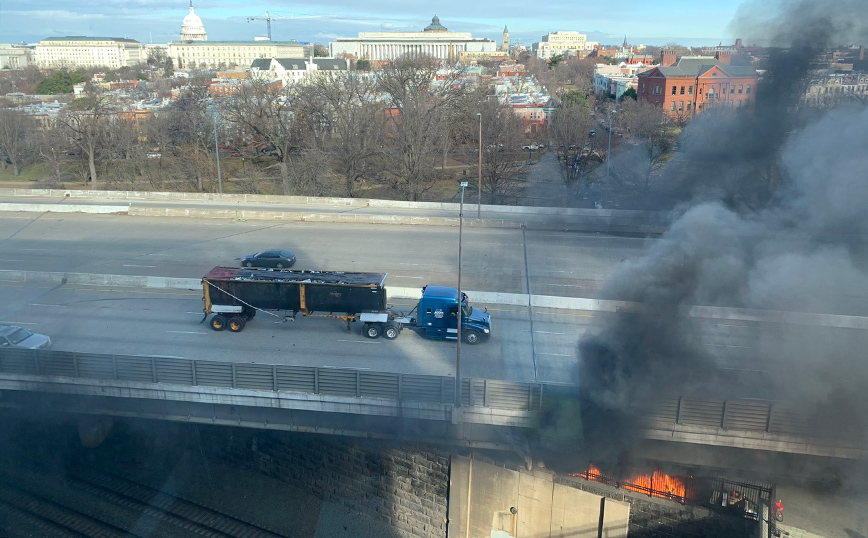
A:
(656, 484)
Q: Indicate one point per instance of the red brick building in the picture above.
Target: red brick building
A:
(686, 86)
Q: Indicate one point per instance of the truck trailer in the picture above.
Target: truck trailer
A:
(233, 296)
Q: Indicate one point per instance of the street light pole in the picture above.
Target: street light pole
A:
(479, 180)
(460, 309)
(608, 157)
(217, 150)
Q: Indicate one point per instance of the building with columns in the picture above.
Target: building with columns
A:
(435, 40)
(81, 51)
(565, 43)
(194, 51)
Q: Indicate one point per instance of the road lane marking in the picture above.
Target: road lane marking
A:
(40, 304)
(360, 341)
(566, 285)
(10, 322)
(556, 354)
(729, 345)
(547, 332)
(7, 260)
(197, 313)
(133, 265)
(34, 249)
(405, 276)
(187, 332)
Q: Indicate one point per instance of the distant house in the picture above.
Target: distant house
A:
(687, 85)
(292, 70)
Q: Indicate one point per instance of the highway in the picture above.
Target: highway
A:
(529, 344)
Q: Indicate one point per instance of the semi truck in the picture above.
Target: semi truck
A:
(234, 295)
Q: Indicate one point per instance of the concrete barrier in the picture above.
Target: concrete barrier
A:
(65, 208)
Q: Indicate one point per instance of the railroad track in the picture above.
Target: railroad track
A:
(180, 512)
(55, 519)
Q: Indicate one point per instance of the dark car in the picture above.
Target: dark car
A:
(279, 259)
(16, 337)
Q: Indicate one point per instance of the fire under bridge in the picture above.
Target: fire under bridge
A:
(493, 414)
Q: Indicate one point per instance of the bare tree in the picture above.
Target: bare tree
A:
(343, 117)
(418, 98)
(85, 121)
(15, 129)
(52, 144)
(579, 145)
(638, 169)
(502, 132)
(263, 108)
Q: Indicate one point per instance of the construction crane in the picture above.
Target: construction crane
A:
(268, 18)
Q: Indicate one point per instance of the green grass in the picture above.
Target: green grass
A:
(28, 173)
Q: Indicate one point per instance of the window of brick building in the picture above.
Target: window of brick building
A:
(689, 104)
(682, 90)
(681, 104)
(674, 89)
(643, 87)
(741, 88)
(672, 106)
(748, 89)
(732, 89)
(690, 90)
(739, 104)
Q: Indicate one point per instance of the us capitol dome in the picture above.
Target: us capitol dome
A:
(192, 28)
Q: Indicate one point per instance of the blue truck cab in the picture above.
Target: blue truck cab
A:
(438, 316)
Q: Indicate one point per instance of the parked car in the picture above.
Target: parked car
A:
(279, 259)
(16, 337)
(531, 147)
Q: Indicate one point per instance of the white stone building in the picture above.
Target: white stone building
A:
(194, 51)
(192, 28)
(565, 43)
(435, 40)
(15, 56)
(81, 51)
(292, 70)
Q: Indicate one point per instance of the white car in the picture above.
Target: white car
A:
(16, 337)
(531, 147)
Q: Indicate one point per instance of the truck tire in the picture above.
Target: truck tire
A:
(471, 336)
(250, 313)
(391, 331)
(236, 323)
(371, 330)
(218, 323)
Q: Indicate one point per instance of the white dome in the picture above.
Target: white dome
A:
(192, 28)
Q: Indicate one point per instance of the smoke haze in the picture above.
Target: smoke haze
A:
(803, 248)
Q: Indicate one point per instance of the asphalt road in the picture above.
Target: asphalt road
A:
(551, 263)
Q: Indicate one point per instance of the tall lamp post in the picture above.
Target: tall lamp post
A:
(460, 309)
(479, 179)
(217, 149)
(608, 157)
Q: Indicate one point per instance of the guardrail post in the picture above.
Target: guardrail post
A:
(484, 393)
(234, 384)
(153, 362)
(358, 385)
(443, 389)
(769, 418)
(316, 380)
(723, 417)
(469, 392)
(678, 410)
(196, 381)
(274, 377)
(401, 388)
(115, 366)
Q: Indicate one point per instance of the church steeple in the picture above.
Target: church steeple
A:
(505, 46)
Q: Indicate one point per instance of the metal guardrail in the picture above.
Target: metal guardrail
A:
(274, 378)
(742, 415)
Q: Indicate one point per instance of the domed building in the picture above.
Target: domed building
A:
(435, 26)
(192, 28)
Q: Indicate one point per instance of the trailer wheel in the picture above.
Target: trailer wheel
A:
(250, 312)
(218, 323)
(471, 336)
(371, 330)
(236, 323)
(390, 331)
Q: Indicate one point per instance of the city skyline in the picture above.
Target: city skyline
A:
(656, 22)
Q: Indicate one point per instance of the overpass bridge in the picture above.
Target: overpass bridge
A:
(493, 414)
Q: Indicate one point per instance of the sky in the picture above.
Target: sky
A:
(649, 22)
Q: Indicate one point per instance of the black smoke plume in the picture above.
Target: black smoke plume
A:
(799, 246)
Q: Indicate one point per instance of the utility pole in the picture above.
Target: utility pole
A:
(479, 180)
(460, 308)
